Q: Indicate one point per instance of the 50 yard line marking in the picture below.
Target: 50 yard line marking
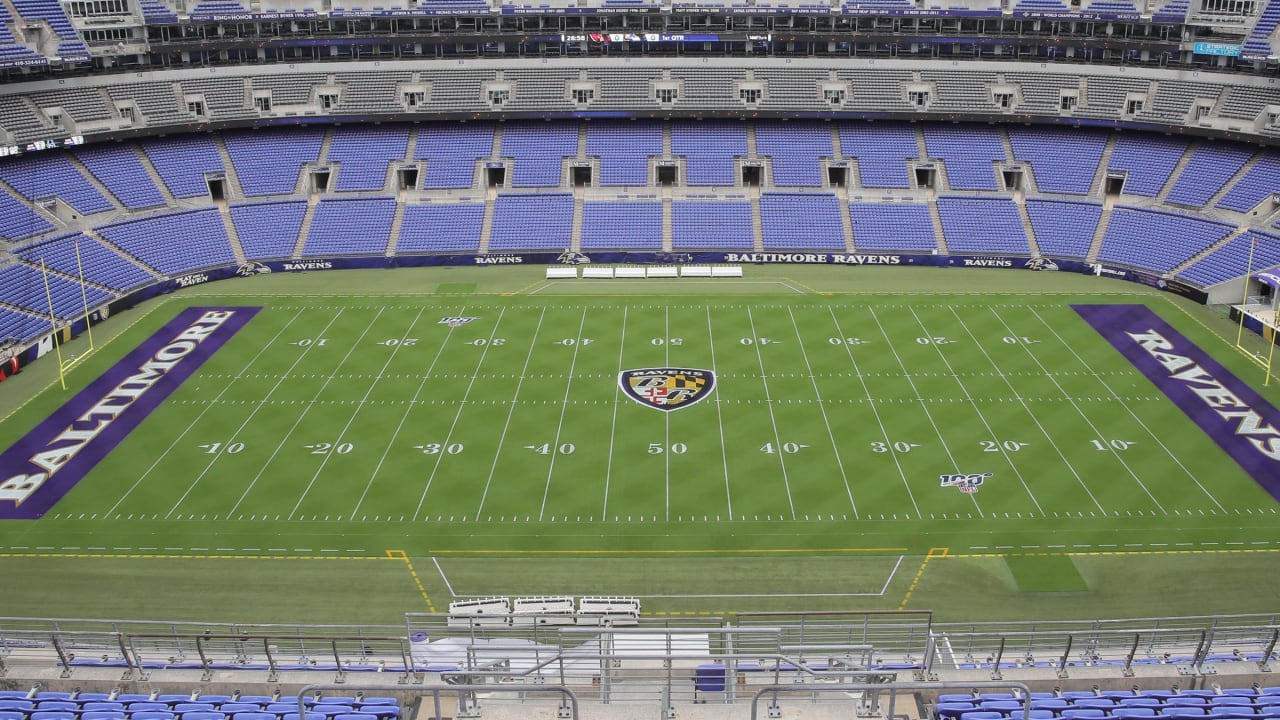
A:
(772, 420)
(192, 424)
(506, 425)
(356, 413)
(564, 407)
(835, 448)
(305, 410)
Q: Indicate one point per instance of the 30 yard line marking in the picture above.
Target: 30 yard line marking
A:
(613, 423)
(724, 456)
(324, 461)
(564, 406)
(448, 438)
(524, 369)
(772, 420)
(1128, 409)
(305, 410)
(422, 384)
(924, 406)
(884, 432)
(835, 447)
(965, 389)
(1124, 463)
(1036, 420)
(226, 386)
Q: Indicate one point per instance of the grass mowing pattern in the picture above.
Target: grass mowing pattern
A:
(347, 428)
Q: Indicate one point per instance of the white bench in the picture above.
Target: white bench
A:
(726, 271)
(597, 272)
(695, 271)
(629, 272)
(558, 273)
(662, 271)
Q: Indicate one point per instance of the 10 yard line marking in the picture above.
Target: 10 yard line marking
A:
(506, 425)
(1134, 415)
(613, 426)
(822, 408)
(359, 341)
(207, 408)
(772, 420)
(923, 406)
(564, 406)
(982, 417)
(342, 433)
(884, 432)
(458, 415)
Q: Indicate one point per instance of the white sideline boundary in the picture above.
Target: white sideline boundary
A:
(883, 589)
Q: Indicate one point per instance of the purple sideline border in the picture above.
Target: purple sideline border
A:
(16, 460)
(1114, 322)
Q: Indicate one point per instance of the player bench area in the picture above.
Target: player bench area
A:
(655, 271)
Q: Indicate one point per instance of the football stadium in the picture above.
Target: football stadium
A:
(639, 358)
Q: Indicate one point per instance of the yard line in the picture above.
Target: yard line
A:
(983, 418)
(414, 401)
(564, 406)
(207, 408)
(822, 407)
(443, 577)
(505, 426)
(613, 427)
(923, 406)
(303, 414)
(772, 420)
(724, 458)
(1125, 405)
(355, 413)
(666, 416)
(1021, 400)
(884, 432)
(252, 413)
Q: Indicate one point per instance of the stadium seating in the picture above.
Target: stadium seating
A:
(1063, 162)
(1064, 229)
(882, 151)
(709, 148)
(120, 171)
(711, 225)
(622, 226)
(1146, 160)
(982, 225)
(1132, 235)
(796, 221)
(53, 176)
(797, 150)
(100, 264)
(68, 706)
(363, 154)
(1233, 259)
(532, 222)
(267, 162)
(451, 152)
(183, 162)
(350, 227)
(624, 149)
(967, 153)
(175, 243)
(268, 230)
(1207, 172)
(538, 151)
(453, 227)
(896, 226)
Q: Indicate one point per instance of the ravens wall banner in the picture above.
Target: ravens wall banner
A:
(667, 389)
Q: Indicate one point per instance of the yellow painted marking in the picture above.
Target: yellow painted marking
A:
(402, 555)
(1118, 553)
(183, 556)
(758, 551)
(933, 553)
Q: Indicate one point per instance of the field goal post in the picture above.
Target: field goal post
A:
(64, 366)
(1260, 301)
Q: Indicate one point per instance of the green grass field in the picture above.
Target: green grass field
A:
(353, 458)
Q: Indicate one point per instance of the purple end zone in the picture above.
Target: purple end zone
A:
(1242, 422)
(42, 467)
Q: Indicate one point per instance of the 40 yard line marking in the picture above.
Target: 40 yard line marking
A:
(772, 420)
(835, 448)
(356, 413)
(305, 410)
(207, 408)
(564, 406)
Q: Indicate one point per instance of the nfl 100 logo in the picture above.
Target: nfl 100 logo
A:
(667, 389)
(965, 483)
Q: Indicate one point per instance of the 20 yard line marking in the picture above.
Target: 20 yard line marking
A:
(305, 410)
(342, 433)
(613, 425)
(225, 388)
(1132, 414)
(724, 456)
(835, 448)
(564, 406)
(1034, 419)
(772, 420)
(507, 425)
(417, 511)
(884, 432)
(982, 417)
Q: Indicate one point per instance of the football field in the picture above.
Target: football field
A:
(706, 452)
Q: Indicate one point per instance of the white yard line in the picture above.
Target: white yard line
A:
(356, 413)
(835, 448)
(414, 401)
(978, 411)
(564, 406)
(359, 341)
(1128, 409)
(892, 573)
(724, 457)
(235, 435)
(443, 577)
(613, 425)
(666, 416)
(448, 438)
(505, 426)
(923, 406)
(1023, 402)
(782, 462)
(196, 420)
(884, 432)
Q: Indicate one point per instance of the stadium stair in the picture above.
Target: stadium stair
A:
(397, 222)
(936, 220)
(496, 152)
(155, 176)
(233, 235)
(846, 222)
(667, 232)
(666, 140)
(1099, 178)
(305, 229)
(575, 231)
(1176, 173)
(486, 225)
(1020, 200)
(231, 181)
(1108, 204)
(323, 155)
(411, 148)
(757, 223)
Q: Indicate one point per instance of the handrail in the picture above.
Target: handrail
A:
(892, 688)
(435, 689)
